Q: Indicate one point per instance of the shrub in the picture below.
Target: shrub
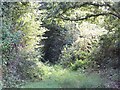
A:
(80, 64)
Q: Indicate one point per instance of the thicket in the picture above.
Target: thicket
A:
(73, 35)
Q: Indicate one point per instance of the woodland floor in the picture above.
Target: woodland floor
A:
(75, 79)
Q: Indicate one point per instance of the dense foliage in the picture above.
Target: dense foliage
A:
(77, 43)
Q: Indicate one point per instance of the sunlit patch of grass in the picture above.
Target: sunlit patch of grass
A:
(42, 84)
(63, 78)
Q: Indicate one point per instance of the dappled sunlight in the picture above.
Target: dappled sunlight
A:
(60, 44)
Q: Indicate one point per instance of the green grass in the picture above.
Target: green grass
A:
(67, 79)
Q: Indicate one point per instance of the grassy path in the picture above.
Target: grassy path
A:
(68, 79)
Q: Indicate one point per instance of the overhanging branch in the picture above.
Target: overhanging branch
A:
(88, 16)
(115, 13)
(77, 5)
